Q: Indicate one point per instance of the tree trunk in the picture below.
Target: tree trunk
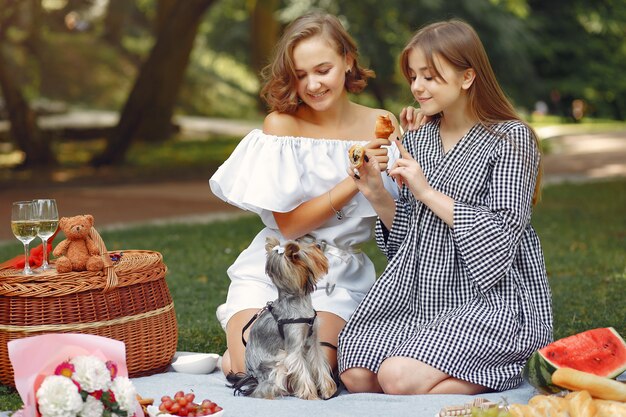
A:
(116, 20)
(24, 129)
(35, 22)
(164, 11)
(150, 104)
(264, 31)
(264, 34)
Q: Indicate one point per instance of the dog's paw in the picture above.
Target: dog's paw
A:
(328, 388)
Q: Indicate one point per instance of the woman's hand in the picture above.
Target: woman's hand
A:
(407, 171)
(367, 177)
(374, 150)
(412, 118)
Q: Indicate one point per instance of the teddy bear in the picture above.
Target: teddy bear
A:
(78, 252)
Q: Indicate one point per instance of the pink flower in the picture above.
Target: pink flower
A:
(112, 367)
(65, 369)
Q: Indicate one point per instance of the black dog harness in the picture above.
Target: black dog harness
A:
(281, 322)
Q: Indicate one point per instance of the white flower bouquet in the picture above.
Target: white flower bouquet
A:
(73, 375)
(85, 386)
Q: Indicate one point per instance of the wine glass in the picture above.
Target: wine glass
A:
(48, 216)
(24, 227)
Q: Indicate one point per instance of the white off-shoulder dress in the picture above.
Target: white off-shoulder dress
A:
(267, 173)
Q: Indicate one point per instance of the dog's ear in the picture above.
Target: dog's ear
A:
(292, 250)
(270, 243)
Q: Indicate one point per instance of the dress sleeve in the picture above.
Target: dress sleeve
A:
(260, 174)
(267, 173)
(488, 236)
(389, 241)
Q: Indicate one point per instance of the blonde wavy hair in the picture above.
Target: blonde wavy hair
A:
(459, 44)
(279, 77)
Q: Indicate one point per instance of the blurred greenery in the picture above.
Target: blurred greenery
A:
(581, 226)
(577, 48)
(87, 54)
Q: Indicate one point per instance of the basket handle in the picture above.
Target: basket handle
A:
(109, 267)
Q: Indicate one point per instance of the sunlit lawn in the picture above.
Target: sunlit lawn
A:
(582, 229)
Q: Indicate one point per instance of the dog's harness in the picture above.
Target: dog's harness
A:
(281, 322)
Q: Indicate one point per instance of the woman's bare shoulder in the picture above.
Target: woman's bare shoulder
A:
(280, 124)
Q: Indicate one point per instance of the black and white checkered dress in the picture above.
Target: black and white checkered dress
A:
(472, 301)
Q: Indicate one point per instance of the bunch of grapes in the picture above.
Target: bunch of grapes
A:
(182, 405)
(490, 412)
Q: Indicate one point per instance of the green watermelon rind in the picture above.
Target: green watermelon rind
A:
(538, 373)
(539, 369)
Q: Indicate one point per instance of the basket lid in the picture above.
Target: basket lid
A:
(133, 266)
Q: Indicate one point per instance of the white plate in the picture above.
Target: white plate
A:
(195, 363)
(153, 411)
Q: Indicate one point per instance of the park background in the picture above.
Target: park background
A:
(99, 93)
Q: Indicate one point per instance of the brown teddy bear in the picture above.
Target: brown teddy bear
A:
(78, 252)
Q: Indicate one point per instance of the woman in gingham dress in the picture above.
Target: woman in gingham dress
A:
(464, 299)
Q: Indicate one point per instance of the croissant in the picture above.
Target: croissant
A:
(384, 127)
(382, 130)
(356, 154)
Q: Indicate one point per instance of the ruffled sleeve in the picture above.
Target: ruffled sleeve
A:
(488, 236)
(278, 173)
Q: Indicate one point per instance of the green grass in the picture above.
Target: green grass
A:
(582, 229)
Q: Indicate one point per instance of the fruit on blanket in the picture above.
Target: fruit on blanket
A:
(490, 412)
(183, 405)
(601, 352)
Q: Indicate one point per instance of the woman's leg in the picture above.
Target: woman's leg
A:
(233, 359)
(329, 327)
(360, 380)
(406, 376)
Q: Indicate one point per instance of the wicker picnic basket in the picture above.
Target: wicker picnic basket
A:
(128, 301)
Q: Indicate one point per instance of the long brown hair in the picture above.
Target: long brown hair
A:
(458, 43)
(279, 76)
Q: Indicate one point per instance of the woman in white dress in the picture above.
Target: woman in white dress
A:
(294, 175)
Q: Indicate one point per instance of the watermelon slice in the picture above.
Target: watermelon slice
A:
(599, 351)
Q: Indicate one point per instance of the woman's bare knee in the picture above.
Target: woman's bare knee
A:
(394, 381)
(226, 367)
(360, 380)
(235, 348)
(406, 376)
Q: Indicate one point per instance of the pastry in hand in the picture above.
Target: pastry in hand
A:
(384, 127)
(356, 155)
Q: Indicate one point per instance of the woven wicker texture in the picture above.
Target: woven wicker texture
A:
(128, 301)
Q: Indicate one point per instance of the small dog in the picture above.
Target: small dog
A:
(283, 354)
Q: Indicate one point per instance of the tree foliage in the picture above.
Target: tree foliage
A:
(555, 51)
(581, 53)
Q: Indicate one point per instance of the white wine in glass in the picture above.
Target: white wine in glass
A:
(47, 214)
(24, 226)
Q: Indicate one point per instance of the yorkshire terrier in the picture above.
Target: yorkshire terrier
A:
(283, 354)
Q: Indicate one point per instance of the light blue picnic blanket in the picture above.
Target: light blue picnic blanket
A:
(213, 387)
